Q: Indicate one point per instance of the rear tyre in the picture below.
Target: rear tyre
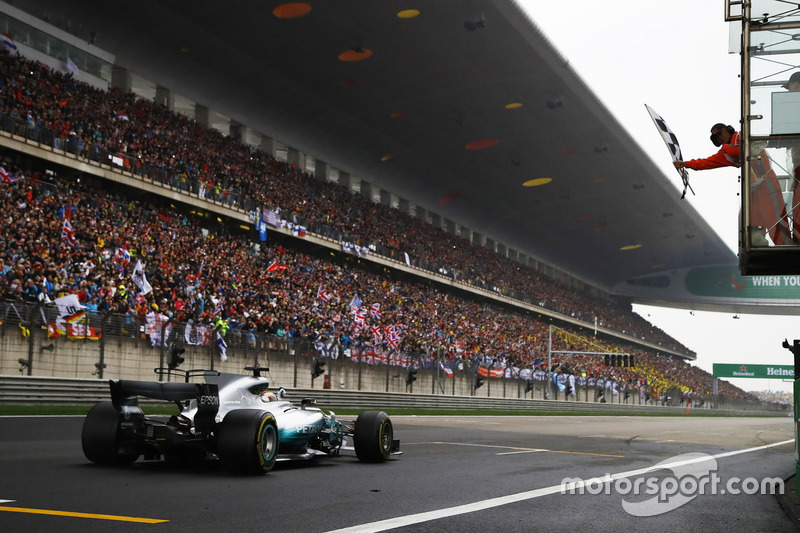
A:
(100, 437)
(247, 441)
(372, 436)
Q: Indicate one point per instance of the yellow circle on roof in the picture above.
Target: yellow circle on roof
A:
(631, 247)
(513, 105)
(537, 182)
(408, 13)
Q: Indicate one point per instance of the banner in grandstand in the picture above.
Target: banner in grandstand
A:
(491, 372)
(71, 320)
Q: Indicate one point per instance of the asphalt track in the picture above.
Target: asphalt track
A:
(456, 474)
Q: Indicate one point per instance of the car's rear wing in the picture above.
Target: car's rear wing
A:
(125, 394)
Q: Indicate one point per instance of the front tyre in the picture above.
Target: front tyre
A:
(247, 441)
(100, 437)
(372, 436)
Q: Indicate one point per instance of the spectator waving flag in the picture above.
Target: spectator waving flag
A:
(140, 279)
(67, 231)
(274, 266)
(223, 347)
(323, 295)
(355, 304)
(9, 43)
(375, 311)
(672, 145)
(8, 177)
(446, 369)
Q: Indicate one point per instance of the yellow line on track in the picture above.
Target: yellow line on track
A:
(83, 515)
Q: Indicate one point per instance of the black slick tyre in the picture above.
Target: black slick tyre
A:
(247, 441)
(100, 437)
(372, 436)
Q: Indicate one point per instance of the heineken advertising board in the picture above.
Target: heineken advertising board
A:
(726, 282)
(725, 370)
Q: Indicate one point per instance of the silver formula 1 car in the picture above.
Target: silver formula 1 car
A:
(235, 418)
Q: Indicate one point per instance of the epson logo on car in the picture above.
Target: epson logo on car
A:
(209, 400)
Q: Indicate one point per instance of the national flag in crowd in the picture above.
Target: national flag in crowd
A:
(360, 317)
(377, 334)
(323, 295)
(122, 254)
(67, 231)
(140, 279)
(8, 177)
(274, 266)
(298, 231)
(355, 304)
(375, 311)
(9, 43)
(446, 369)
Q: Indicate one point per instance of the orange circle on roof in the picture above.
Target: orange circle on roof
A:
(408, 13)
(587, 216)
(536, 182)
(292, 10)
(350, 82)
(352, 55)
(631, 247)
(397, 114)
(513, 105)
(600, 180)
(387, 157)
(481, 144)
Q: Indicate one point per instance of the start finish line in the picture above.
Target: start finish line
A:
(726, 370)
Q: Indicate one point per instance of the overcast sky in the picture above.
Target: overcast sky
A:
(673, 56)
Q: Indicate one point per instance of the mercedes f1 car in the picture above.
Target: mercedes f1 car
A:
(235, 418)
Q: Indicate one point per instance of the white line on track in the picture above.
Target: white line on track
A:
(402, 521)
(520, 451)
(7, 501)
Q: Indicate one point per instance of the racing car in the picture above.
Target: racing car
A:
(235, 418)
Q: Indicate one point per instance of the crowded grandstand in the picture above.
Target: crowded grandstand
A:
(68, 232)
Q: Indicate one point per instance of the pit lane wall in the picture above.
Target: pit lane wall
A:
(30, 354)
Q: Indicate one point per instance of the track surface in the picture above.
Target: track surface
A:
(456, 474)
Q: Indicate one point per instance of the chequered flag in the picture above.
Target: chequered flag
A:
(672, 145)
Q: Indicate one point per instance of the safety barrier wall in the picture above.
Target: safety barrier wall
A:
(64, 391)
(77, 368)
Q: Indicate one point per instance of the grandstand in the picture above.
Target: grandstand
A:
(99, 179)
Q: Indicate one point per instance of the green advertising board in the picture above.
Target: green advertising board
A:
(730, 370)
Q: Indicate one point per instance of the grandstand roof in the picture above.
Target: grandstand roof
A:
(460, 109)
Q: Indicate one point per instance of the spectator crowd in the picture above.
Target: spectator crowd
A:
(203, 274)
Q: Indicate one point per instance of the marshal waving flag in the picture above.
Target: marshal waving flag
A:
(672, 145)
